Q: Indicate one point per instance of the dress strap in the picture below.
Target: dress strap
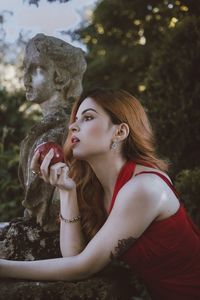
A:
(163, 177)
(125, 175)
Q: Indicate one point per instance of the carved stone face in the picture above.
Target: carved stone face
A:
(38, 77)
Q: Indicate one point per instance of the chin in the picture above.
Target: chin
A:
(30, 97)
(85, 156)
(80, 154)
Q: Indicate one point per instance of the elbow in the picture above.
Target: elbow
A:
(88, 267)
(85, 271)
(74, 268)
(79, 267)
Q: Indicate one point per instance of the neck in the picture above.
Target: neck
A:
(107, 171)
(51, 105)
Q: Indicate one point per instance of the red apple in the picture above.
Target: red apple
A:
(44, 149)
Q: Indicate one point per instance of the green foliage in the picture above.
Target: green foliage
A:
(187, 183)
(13, 128)
(121, 38)
(11, 192)
(173, 94)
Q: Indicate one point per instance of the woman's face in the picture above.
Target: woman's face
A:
(92, 132)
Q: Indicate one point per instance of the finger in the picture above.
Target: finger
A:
(34, 165)
(55, 172)
(61, 178)
(58, 165)
(54, 175)
(64, 180)
(44, 168)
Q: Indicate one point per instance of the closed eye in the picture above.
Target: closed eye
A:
(88, 118)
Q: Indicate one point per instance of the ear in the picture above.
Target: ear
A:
(122, 131)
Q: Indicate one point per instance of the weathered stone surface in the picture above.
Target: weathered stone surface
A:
(111, 284)
(25, 240)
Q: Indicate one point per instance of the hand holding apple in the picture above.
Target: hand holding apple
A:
(50, 166)
(44, 148)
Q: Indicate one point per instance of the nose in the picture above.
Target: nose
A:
(27, 78)
(74, 127)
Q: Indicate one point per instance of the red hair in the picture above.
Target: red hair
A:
(139, 146)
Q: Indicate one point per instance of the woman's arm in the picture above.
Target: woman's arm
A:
(132, 213)
(71, 237)
(72, 240)
(69, 268)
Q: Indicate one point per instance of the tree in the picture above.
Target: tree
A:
(187, 184)
(14, 125)
(173, 94)
(122, 36)
(37, 2)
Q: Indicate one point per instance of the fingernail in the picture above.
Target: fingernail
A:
(51, 151)
(37, 154)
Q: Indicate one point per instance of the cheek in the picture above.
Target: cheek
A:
(98, 136)
(38, 80)
(97, 131)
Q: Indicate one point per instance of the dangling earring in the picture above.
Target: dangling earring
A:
(115, 145)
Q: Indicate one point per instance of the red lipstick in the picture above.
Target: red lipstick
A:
(75, 140)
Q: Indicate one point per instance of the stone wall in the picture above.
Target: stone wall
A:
(24, 240)
(111, 284)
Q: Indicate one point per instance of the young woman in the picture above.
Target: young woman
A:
(117, 201)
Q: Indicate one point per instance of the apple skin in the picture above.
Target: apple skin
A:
(44, 149)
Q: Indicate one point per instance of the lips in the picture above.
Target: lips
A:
(29, 91)
(28, 87)
(75, 140)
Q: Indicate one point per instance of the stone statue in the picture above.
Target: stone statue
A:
(53, 72)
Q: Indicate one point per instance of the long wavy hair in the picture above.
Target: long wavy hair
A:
(139, 146)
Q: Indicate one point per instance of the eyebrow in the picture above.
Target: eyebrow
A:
(88, 109)
(84, 111)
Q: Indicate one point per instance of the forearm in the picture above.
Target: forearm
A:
(67, 269)
(71, 236)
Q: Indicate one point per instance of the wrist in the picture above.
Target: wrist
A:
(68, 204)
(71, 220)
(67, 194)
(67, 186)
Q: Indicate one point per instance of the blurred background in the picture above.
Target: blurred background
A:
(150, 48)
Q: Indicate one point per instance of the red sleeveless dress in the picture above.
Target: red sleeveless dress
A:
(167, 255)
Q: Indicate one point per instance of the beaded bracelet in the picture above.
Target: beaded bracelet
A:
(73, 220)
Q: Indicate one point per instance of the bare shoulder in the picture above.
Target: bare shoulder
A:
(151, 192)
(149, 183)
(145, 186)
(141, 195)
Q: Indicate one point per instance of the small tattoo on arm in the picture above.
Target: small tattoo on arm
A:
(122, 246)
